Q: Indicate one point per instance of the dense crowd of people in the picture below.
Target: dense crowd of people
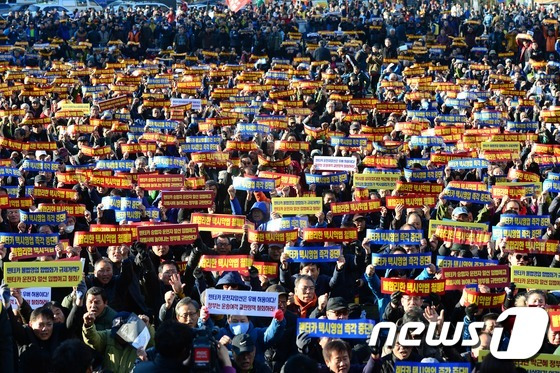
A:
(449, 113)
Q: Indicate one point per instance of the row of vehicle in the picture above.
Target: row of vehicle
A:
(70, 5)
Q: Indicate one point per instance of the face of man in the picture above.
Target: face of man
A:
(42, 327)
(310, 270)
(94, 303)
(489, 326)
(339, 362)
(103, 272)
(167, 271)
(223, 246)
(401, 352)
(408, 302)
(282, 302)
(360, 224)
(512, 206)
(338, 314)
(536, 300)
(188, 315)
(518, 259)
(305, 291)
(461, 217)
(275, 252)
(13, 216)
(245, 360)
(415, 221)
(160, 250)
(115, 254)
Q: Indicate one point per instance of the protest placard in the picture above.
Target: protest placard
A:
(535, 277)
(28, 239)
(97, 239)
(355, 207)
(455, 262)
(161, 182)
(433, 224)
(42, 274)
(188, 199)
(532, 246)
(395, 237)
(347, 329)
(297, 205)
(235, 302)
(286, 223)
(322, 163)
(219, 222)
(491, 276)
(19, 253)
(225, 263)
(35, 297)
(330, 234)
(273, 236)
(411, 367)
(412, 287)
(410, 201)
(254, 184)
(314, 254)
(463, 236)
(400, 261)
(484, 300)
(168, 234)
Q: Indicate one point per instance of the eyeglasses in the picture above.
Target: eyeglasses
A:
(187, 315)
(524, 257)
(306, 289)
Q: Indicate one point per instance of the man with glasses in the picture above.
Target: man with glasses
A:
(304, 300)
(187, 311)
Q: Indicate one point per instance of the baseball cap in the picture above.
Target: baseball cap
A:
(40, 153)
(277, 289)
(460, 211)
(460, 247)
(336, 304)
(355, 126)
(242, 343)
(358, 217)
(40, 179)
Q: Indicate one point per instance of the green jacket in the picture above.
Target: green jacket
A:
(105, 320)
(116, 357)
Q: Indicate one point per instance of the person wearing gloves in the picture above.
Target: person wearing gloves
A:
(94, 300)
(119, 356)
(262, 338)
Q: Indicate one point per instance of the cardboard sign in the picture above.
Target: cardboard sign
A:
(412, 287)
(491, 276)
(168, 234)
(334, 163)
(188, 199)
(348, 329)
(161, 182)
(535, 277)
(220, 263)
(297, 205)
(219, 223)
(43, 274)
(238, 302)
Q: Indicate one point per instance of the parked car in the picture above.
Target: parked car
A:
(114, 6)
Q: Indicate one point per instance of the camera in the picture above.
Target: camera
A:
(204, 353)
